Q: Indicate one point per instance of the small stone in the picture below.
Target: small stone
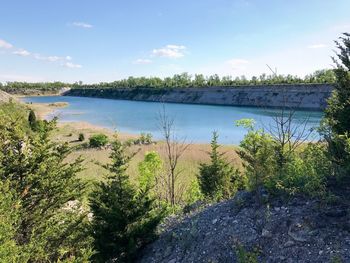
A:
(214, 221)
(289, 243)
(172, 260)
(277, 209)
(320, 252)
(266, 233)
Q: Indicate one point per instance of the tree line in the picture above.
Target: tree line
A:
(183, 80)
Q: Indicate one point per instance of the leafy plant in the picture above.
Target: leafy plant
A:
(98, 140)
(218, 179)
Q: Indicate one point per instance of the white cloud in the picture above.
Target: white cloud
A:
(21, 52)
(170, 51)
(142, 61)
(4, 44)
(82, 24)
(71, 65)
(315, 46)
(237, 63)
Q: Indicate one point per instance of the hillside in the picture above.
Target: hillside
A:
(295, 231)
(5, 97)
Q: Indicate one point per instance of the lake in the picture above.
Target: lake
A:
(193, 122)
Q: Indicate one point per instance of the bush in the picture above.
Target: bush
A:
(145, 139)
(124, 219)
(98, 140)
(258, 155)
(303, 172)
(32, 120)
(218, 179)
(81, 137)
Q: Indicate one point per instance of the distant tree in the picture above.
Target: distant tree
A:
(124, 218)
(218, 179)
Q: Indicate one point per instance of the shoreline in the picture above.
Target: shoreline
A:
(44, 110)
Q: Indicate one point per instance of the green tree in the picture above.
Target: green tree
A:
(32, 120)
(257, 150)
(336, 126)
(44, 185)
(218, 179)
(124, 219)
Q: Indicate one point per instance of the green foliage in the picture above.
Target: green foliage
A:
(17, 87)
(257, 153)
(145, 139)
(124, 219)
(39, 184)
(98, 140)
(150, 169)
(218, 179)
(303, 172)
(336, 125)
(193, 192)
(32, 120)
(185, 80)
(81, 137)
(10, 251)
(244, 256)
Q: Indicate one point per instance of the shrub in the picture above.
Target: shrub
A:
(98, 140)
(124, 219)
(303, 172)
(218, 179)
(81, 137)
(193, 193)
(32, 120)
(37, 182)
(257, 153)
(145, 139)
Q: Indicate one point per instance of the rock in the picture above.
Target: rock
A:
(289, 243)
(266, 233)
(285, 232)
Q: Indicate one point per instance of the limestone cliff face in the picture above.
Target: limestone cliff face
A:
(311, 96)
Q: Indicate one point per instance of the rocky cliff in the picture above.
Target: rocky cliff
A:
(311, 96)
(297, 230)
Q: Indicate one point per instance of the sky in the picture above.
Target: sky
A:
(106, 40)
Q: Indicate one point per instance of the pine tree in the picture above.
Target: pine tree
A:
(218, 179)
(32, 120)
(124, 219)
(43, 184)
(337, 115)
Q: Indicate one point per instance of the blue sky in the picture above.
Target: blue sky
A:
(95, 41)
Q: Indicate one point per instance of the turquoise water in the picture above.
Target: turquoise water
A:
(193, 122)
